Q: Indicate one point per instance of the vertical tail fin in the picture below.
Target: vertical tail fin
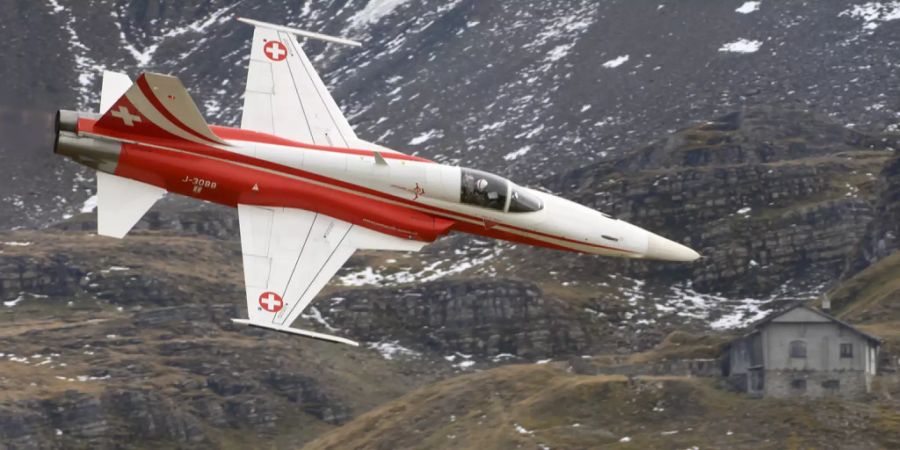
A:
(115, 85)
(155, 105)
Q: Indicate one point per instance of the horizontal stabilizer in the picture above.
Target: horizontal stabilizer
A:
(121, 202)
(298, 332)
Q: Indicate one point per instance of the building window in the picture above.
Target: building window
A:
(832, 385)
(798, 384)
(846, 350)
(798, 349)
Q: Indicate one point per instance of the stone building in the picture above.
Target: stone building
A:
(802, 351)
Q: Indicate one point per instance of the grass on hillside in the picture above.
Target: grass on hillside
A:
(535, 406)
(872, 295)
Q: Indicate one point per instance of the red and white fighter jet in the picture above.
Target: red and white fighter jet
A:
(308, 191)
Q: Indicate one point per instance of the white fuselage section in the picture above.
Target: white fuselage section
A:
(436, 187)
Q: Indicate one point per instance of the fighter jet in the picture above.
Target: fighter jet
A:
(308, 191)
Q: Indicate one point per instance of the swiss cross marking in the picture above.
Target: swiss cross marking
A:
(271, 302)
(126, 116)
(275, 50)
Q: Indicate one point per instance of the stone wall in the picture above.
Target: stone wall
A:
(676, 367)
(786, 383)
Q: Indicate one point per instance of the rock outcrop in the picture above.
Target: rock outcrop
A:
(882, 237)
(481, 318)
(771, 197)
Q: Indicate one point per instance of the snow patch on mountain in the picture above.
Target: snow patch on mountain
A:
(873, 14)
(20, 298)
(89, 205)
(55, 7)
(144, 56)
(744, 313)
(373, 11)
(11, 303)
(392, 349)
(16, 244)
(616, 62)
(465, 360)
(426, 136)
(748, 7)
(512, 156)
(567, 26)
(463, 260)
(559, 52)
(725, 313)
(86, 67)
(522, 430)
(315, 315)
(741, 46)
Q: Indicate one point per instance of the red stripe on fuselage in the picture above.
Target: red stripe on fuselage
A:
(229, 184)
(237, 134)
(86, 125)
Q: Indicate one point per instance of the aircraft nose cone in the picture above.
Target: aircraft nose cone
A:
(663, 249)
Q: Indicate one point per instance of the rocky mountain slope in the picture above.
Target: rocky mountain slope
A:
(529, 89)
(107, 339)
(776, 198)
(882, 237)
(132, 337)
(763, 133)
(566, 404)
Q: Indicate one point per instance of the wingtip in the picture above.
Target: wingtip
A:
(298, 32)
(298, 332)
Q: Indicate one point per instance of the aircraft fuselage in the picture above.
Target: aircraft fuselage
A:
(393, 193)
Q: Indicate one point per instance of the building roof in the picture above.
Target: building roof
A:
(768, 319)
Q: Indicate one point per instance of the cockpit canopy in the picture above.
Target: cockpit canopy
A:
(495, 192)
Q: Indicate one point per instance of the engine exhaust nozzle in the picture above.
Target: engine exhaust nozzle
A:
(98, 154)
(67, 121)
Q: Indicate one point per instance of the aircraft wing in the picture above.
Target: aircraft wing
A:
(284, 94)
(286, 97)
(290, 254)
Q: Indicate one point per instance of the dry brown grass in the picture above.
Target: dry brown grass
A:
(872, 295)
(676, 345)
(561, 410)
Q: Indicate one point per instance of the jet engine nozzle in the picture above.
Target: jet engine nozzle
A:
(99, 154)
(67, 121)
